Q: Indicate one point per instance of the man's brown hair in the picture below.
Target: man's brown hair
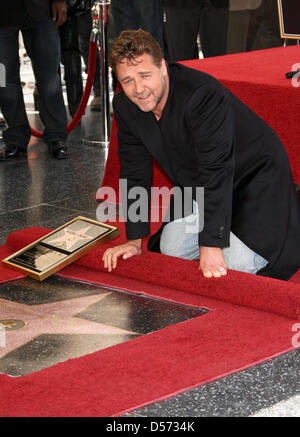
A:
(134, 43)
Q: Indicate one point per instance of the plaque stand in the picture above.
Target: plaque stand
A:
(99, 34)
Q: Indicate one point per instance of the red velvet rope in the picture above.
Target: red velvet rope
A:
(86, 94)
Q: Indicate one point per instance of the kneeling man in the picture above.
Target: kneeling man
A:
(203, 136)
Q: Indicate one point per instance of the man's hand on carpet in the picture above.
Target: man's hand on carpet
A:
(212, 263)
(127, 250)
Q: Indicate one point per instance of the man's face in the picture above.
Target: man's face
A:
(144, 83)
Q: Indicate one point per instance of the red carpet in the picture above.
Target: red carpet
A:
(229, 338)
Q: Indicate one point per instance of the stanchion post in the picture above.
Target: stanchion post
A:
(99, 34)
(104, 66)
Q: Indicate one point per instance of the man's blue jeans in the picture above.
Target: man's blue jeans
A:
(135, 14)
(180, 239)
(42, 44)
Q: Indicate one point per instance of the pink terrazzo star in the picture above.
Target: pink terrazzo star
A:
(52, 318)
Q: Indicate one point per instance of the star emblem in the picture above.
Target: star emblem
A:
(71, 237)
(52, 318)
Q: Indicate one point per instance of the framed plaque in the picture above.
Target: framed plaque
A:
(60, 247)
(289, 18)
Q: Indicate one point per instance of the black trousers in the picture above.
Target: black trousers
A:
(75, 40)
(42, 44)
(183, 25)
(264, 31)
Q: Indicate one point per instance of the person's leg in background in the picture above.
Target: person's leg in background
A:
(181, 30)
(238, 24)
(17, 135)
(135, 14)
(43, 47)
(71, 60)
(123, 15)
(213, 29)
(149, 17)
(264, 30)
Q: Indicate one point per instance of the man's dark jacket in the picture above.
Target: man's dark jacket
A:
(207, 137)
(13, 13)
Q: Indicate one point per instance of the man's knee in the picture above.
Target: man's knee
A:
(241, 258)
(169, 247)
(174, 242)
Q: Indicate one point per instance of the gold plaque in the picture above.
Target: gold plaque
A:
(60, 247)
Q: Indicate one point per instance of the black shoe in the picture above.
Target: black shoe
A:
(11, 151)
(59, 149)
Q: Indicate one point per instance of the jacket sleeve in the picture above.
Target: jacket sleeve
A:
(209, 118)
(135, 180)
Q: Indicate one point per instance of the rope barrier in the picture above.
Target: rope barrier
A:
(86, 94)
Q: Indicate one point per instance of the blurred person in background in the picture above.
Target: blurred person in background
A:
(188, 19)
(38, 21)
(75, 40)
(238, 24)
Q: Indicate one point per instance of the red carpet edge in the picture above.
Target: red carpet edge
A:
(267, 294)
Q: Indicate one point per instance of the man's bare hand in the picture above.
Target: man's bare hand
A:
(126, 250)
(212, 263)
(59, 12)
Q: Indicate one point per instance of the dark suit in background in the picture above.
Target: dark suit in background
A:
(186, 19)
(206, 137)
(135, 14)
(34, 19)
(264, 30)
(75, 41)
(13, 13)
